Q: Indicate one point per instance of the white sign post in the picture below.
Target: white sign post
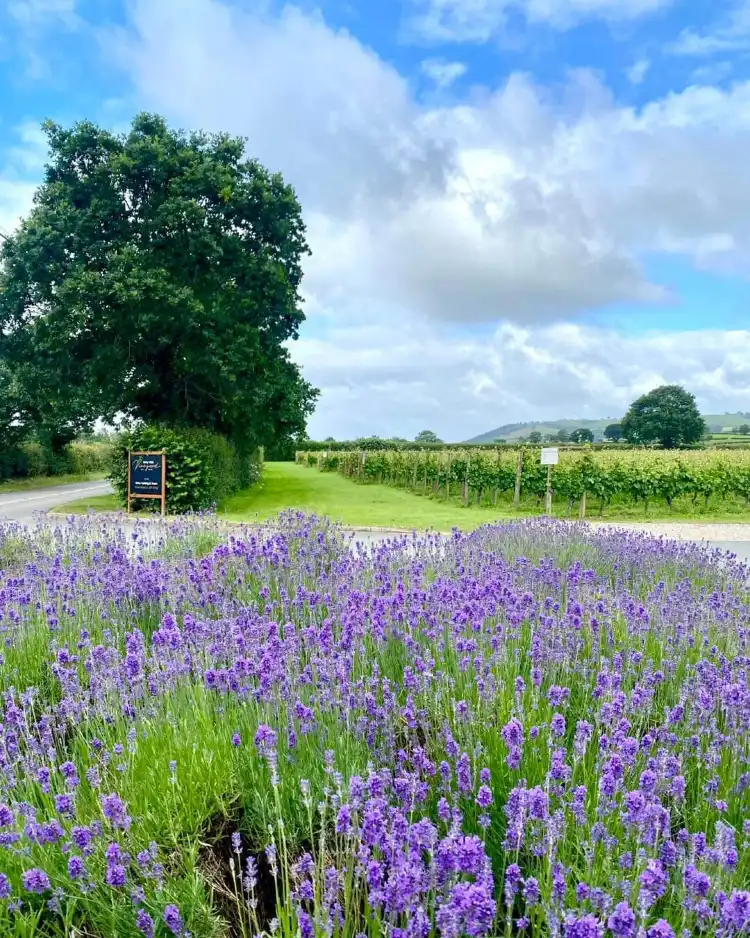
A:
(550, 457)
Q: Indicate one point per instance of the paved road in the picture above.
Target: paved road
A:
(25, 506)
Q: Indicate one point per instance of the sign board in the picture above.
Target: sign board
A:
(147, 475)
(550, 456)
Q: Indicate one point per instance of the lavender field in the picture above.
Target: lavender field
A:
(530, 730)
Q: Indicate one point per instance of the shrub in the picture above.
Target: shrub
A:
(33, 459)
(202, 467)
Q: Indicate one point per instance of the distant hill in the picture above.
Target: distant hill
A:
(512, 431)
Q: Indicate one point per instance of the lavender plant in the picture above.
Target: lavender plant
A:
(532, 730)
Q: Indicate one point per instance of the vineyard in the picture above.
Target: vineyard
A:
(481, 476)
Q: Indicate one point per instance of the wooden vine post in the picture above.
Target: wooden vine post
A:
(466, 482)
(550, 457)
(582, 507)
(519, 470)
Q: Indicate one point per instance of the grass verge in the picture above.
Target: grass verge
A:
(45, 482)
(287, 485)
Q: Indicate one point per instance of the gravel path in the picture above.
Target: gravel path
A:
(684, 531)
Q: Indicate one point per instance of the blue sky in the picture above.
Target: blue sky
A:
(518, 209)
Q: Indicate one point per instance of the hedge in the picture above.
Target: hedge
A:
(32, 459)
(202, 467)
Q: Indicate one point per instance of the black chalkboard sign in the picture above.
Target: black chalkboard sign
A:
(147, 476)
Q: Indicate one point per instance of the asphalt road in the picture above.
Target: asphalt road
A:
(24, 507)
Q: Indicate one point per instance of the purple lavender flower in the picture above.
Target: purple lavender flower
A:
(469, 910)
(145, 924)
(735, 912)
(76, 867)
(35, 880)
(115, 811)
(654, 882)
(622, 921)
(512, 733)
(6, 890)
(586, 927)
(660, 929)
(484, 797)
(557, 725)
(173, 920)
(265, 739)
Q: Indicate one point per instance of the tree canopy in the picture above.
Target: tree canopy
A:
(157, 276)
(666, 415)
(427, 436)
(582, 435)
(613, 432)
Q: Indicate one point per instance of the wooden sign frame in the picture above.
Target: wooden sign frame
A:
(163, 495)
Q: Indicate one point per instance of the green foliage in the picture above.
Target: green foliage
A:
(667, 415)
(634, 475)
(562, 436)
(744, 429)
(427, 436)
(535, 437)
(202, 467)
(156, 276)
(34, 459)
(582, 435)
(613, 432)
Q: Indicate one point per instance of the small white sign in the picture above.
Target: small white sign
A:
(550, 456)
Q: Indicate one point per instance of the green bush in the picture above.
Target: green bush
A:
(202, 467)
(33, 459)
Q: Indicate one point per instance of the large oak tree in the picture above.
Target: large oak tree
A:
(157, 276)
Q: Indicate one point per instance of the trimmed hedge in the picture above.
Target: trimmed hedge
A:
(202, 467)
(32, 459)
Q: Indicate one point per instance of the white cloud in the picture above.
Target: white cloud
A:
(378, 381)
(729, 34)
(638, 71)
(37, 12)
(480, 20)
(443, 73)
(518, 205)
(20, 167)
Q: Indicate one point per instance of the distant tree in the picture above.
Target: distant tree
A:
(427, 436)
(535, 437)
(613, 432)
(562, 436)
(666, 415)
(499, 441)
(582, 435)
(744, 429)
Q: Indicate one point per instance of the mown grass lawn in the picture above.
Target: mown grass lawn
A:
(291, 486)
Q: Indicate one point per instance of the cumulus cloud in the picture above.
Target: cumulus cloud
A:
(638, 71)
(443, 73)
(20, 167)
(36, 12)
(480, 20)
(378, 380)
(731, 33)
(520, 205)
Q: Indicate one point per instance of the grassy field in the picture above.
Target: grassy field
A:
(287, 485)
(43, 482)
